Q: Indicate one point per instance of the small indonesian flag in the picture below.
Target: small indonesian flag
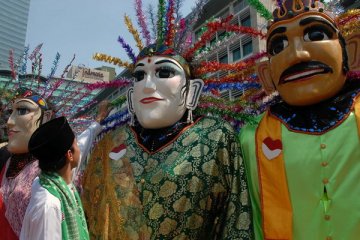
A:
(271, 148)
(118, 152)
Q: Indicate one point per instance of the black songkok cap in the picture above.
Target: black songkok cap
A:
(50, 142)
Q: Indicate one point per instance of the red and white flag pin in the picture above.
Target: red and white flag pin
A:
(118, 152)
(271, 148)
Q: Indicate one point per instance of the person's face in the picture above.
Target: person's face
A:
(305, 59)
(159, 93)
(23, 121)
(75, 154)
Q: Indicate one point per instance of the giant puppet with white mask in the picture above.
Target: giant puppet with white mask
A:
(29, 110)
(302, 155)
(30, 107)
(169, 174)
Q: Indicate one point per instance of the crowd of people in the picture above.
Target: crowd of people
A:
(173, 174)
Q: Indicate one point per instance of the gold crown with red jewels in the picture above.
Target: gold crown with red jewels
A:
(292, 8)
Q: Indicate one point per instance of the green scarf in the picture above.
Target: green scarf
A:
(73, 226)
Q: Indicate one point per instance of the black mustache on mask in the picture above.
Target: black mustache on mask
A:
(303, 67)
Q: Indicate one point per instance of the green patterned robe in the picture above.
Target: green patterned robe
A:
(192, 188)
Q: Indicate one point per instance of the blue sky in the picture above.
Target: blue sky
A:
(81, 27)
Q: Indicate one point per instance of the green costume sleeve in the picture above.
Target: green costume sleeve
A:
(247, 146)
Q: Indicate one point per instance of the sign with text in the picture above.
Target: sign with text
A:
(88, 74)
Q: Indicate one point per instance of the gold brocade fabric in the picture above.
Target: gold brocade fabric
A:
(192, 188)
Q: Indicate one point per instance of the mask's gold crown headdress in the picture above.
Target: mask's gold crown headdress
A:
(292, 8)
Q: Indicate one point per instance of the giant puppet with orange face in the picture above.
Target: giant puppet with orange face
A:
(302, 157)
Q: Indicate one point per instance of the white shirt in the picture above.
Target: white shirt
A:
(85, 141)
(43, 216)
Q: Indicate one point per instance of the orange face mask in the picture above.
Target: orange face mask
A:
(306, 63)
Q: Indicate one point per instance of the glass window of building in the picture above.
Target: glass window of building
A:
(239, 5)
(246, 22)
(236, 54)
(247, 48)
(223, 59)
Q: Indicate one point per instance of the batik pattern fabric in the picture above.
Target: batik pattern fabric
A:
(194, 187)
(16, 191)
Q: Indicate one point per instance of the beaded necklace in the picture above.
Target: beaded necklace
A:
(321, 117)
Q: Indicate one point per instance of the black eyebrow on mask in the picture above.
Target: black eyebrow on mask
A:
(139, 65)
(309, 20)
(166, 61)
(277, 30)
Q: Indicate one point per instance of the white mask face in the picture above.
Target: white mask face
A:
(22, 123)
(159, 92)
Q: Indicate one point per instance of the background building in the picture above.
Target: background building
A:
(231, 47)
(13, 23)
(350, 4)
